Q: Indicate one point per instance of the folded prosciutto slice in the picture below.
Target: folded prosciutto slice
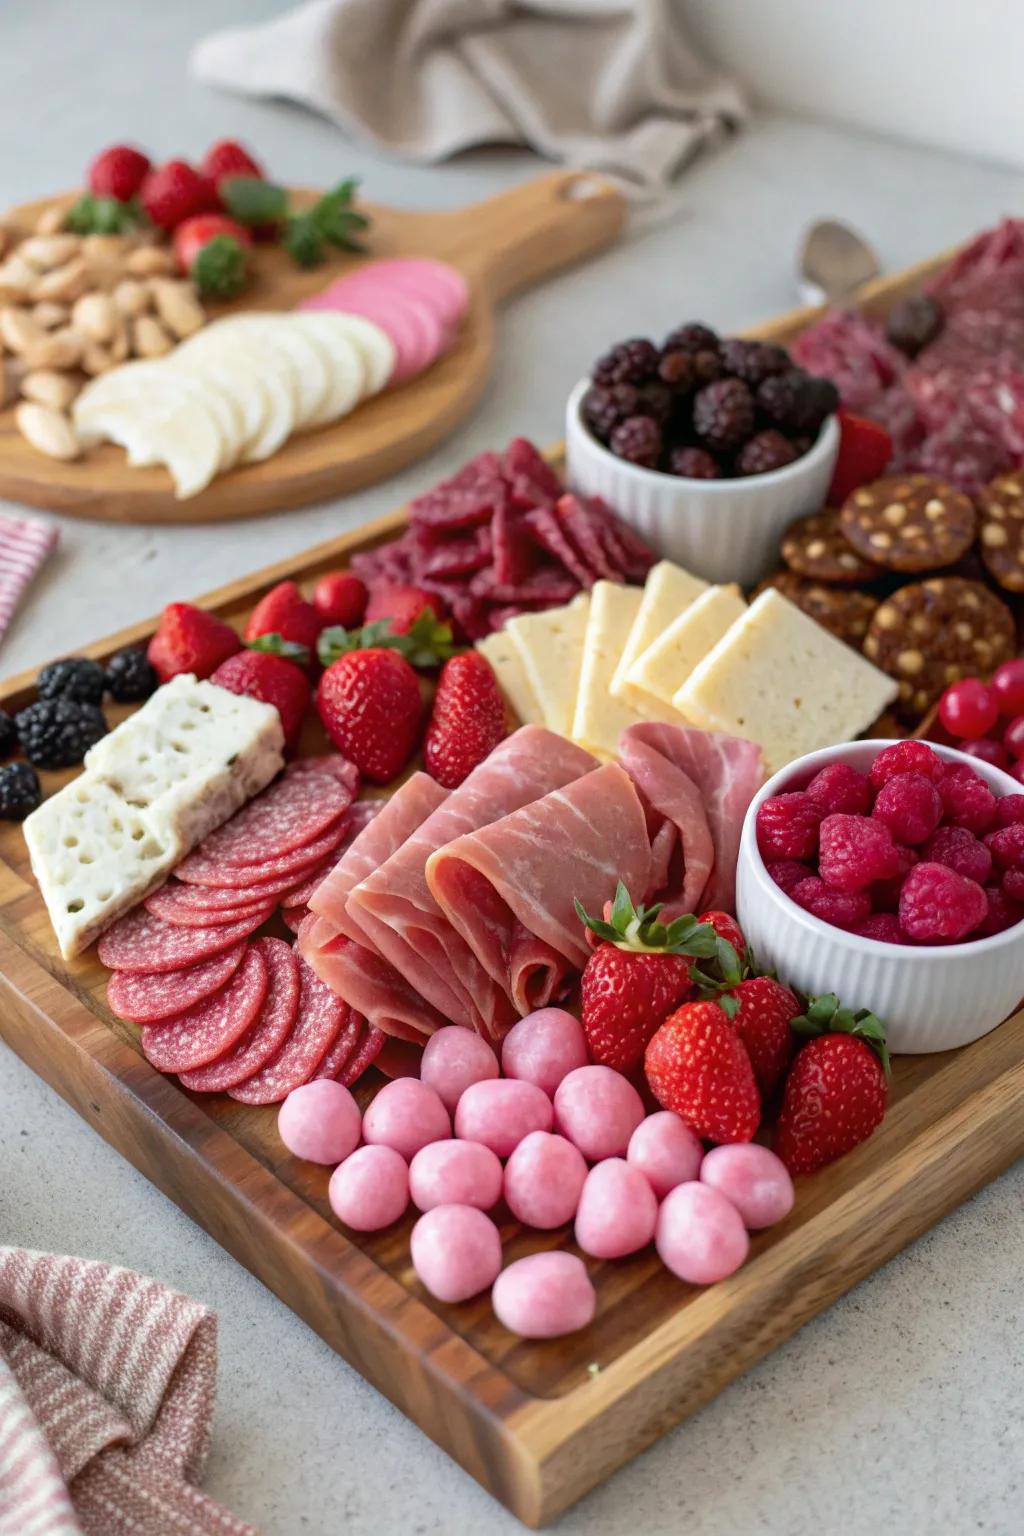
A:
(396, 910)
(701, 782)
(508, 888)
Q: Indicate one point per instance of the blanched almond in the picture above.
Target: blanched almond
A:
(104, 247)
(150, 261)
(46, 387)
(132, 297)
(50, 315)
(178, 307)
(49, 251)
(18, 329)
(95, 316)
(47, 430)
(51, 220)
(64, 284)
(149, 339)
(56, 349)
(120, 344)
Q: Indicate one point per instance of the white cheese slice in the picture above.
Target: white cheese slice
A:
(599, 717)
(659, 672)
(781, 680)
(550, 645)
(507, 664)
(668, 592)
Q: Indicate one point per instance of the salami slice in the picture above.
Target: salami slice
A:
(360, 815)
(289, 815)
(203, 1033)
(173, 904)
(143, 997)
(141, 942)
(293, 917)
(371, 1043)
(199, 870)
(268, 1032)
(331, 763)
(321, 1018)
(339, 1053)
(217, 898)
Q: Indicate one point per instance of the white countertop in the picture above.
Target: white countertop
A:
(900, 1407)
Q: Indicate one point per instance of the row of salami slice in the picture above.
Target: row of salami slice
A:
(418, 302)
(227, 1010)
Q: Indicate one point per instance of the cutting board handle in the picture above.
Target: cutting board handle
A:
(515, 239)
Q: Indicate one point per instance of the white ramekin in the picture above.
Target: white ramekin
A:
(721, 530)
(931, 997)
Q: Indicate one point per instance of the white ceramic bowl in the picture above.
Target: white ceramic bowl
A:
(931, 997)
(722, 530)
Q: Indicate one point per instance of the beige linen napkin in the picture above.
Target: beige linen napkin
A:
(609, 85)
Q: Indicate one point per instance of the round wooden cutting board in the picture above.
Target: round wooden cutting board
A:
(501, 245)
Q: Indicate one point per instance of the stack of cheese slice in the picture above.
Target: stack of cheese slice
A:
(681, 651)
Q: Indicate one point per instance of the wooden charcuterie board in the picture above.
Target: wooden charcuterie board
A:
(502, 245)
(537, 1424)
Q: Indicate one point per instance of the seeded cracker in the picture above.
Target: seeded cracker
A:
(933, 633)
(909, 522)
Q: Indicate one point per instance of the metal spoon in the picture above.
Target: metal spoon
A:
(833, 260)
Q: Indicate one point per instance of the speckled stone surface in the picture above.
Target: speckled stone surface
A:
(901, 1409)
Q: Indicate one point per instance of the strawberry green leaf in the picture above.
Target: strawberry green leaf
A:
(825, 1015)
(274, 644)
(251, 200)
(220, 268)
(728, 961)
(334, 218)
(729, 1005)
(303, 241)
(622, 906)
(101, 216)
(427, 642)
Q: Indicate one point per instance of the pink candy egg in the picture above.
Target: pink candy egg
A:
(452, 1059)
(700, 1235)
(617, 1210)
(455, 1173)
(320, 1121)
(666, 1151)
(544, 1296)
(543, 1179)
(406, 1115)
(501, 1113)
(456, 1251)
(543, 1048)
(370, 1189)
(598, 1110)
(753, 1179)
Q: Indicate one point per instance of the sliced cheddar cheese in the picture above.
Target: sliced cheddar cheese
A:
(668, 592)
(599, 717)
(550, 646)
(660, 671)
(507, 664)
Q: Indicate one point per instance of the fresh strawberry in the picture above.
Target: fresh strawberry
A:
(229, 158)
(174, 192)
(370, 704)
(727, 928)
(118, 172)
(638, 973)
(285, 612)
(697, 1065)
(211, 249)
(836, 1092)
(762, 1011)
(467, 721)
(189, 639)
(341, 598)
(865, 449)
(272, 679)
(401, 606)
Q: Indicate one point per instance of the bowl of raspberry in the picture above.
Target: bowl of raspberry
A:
(891, 873)
(709, 447)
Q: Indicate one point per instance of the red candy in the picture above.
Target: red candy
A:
(910, 806)
(855, 852)
(1013, 737)
(938, 906)
(968, 708)
(838, 787)
(1008, 686)
(787, 827)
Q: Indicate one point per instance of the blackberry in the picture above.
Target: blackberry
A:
(723, 413)
(765, 451)
(708, 365)
(692, 337)
(694, 464)
(130, 676)
(677, 369)
(57, 733)
(913, 323)
(76, 678)
(8, 734)
(778, 397)
(19, 791)
(637, 439)
(631, 362)
(605, 405)
(816, 399)
(656, 400)
(752, 361)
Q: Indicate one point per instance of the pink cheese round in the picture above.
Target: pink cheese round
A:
(456, 1251)
(455, 1173)
(453, 1058)
(432, 282)
(754, 1179)
(320, 1121)
(543, 1180)
(543, 1048)
(617, 1210)
(666, 1151)
(406, 1115)
(544, 1296)
(700, 1234)
(598, 1110)
(370, 1189)
(500, 1113)
(418, 332)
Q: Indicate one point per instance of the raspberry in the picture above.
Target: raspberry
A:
(906, 757)
(910, 806)
(631, 362)
(960, 850)
(638, 440)
(1010, 809)
(883, 926)
(1002, 913)
(765, 451)
(1013, 884)
(787, 827)
(605, 405)
(938, 906)
(840, 788)
(723, 413)
(787, 873)
(842, 909)
(855, 851)
(694, 464)
(967, 800)
(885, 894)
(1007, 846)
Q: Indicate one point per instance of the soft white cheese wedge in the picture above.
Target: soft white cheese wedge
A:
(232, 361)
(599, 717)
(781, 680)
(284, 345)
(660, 671)
(375, 346)
(668, 592)
(551, 647)
(507, 664)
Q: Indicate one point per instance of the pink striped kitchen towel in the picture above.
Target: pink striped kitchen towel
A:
(107, 1384)
(24, 545)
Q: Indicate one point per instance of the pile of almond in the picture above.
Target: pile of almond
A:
(74, 306)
